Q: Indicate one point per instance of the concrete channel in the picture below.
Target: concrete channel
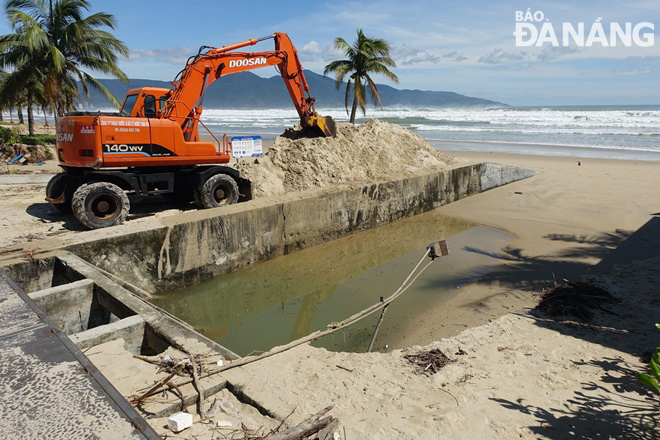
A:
(95, 286)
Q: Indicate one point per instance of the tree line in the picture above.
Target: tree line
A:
(42, 61)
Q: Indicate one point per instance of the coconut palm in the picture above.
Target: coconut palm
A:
(366, 55)
(51, 44)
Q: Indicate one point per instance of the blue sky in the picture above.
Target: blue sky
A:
(464, 47)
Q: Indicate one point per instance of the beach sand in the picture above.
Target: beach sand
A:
(519, 375)
(522, 376)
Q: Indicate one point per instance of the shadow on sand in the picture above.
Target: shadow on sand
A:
(140, 207)
(595, 411)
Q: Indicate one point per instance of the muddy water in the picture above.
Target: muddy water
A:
(280, 300)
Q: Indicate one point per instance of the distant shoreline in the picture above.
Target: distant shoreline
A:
(523, 148)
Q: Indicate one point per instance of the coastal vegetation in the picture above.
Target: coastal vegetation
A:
(653, 379)
(365, 56)
(45, 56)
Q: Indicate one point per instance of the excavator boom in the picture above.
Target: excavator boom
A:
(186, 101)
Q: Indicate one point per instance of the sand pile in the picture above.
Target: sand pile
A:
(373, 151)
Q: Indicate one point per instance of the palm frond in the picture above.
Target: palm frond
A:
(366, 55)
(374, 91)
(53, 41)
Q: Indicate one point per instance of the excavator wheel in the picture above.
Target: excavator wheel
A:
(218, 190)
(55, 188)
(100, 205)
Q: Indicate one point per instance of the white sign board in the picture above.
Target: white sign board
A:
(246, 146)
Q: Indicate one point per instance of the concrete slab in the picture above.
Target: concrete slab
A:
(49, 388)
(129, 329)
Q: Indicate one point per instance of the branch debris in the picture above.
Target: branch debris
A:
(574, 300)
(428, 362)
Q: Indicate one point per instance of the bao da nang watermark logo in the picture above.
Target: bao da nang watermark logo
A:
(533, 29)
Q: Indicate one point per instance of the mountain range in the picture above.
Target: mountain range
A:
(247, 90)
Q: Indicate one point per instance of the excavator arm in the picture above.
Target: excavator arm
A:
(185, 104)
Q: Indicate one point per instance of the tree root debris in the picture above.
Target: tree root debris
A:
(574, 300)
(428, 362)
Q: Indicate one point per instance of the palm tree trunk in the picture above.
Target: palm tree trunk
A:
(19, 109)
(353, 110)
(30, 113)
(45, 117)
(1, 120)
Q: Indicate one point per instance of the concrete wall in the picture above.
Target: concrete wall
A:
(177, 251)
(69, 306)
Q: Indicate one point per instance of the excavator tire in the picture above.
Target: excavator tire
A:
(218, 190)
(55, 187)
(100, 205)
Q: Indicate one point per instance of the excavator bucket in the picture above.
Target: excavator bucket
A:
(325, 123)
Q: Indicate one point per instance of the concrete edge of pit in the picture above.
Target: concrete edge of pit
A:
(193, 246)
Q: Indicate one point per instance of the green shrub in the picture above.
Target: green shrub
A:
(653, 379)
(9, 136)
(37, 139)
(39, 153)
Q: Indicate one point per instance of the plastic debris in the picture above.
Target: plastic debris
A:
(224, 424)
(16, 158)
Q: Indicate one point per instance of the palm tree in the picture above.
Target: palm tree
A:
(50, 45)
(366, 55)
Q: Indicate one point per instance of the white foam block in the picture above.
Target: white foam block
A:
(179, 421)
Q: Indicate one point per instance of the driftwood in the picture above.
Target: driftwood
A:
(328, 433)
(155, 360)
(198, 387)
(153, 390)
(180, 394)
(307, 428)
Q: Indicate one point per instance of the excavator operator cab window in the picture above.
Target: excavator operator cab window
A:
(149, 106)
(161, 101)
(127, 108)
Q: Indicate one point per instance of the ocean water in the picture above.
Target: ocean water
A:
(621, 132)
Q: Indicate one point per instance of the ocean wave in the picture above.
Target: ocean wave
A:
(557, 131)
(551, 144)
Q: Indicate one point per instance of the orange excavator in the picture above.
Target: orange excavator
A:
(153, 146)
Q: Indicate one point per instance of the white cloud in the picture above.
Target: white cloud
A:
(174, 55)
(499, 56)
(636, 72)
(313, 52)
(406, 55)
(550, 53)
(454, 56)
(311, 48)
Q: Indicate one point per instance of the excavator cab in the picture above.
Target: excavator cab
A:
(147, 102)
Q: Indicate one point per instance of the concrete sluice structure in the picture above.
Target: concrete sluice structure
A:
(95, 286)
